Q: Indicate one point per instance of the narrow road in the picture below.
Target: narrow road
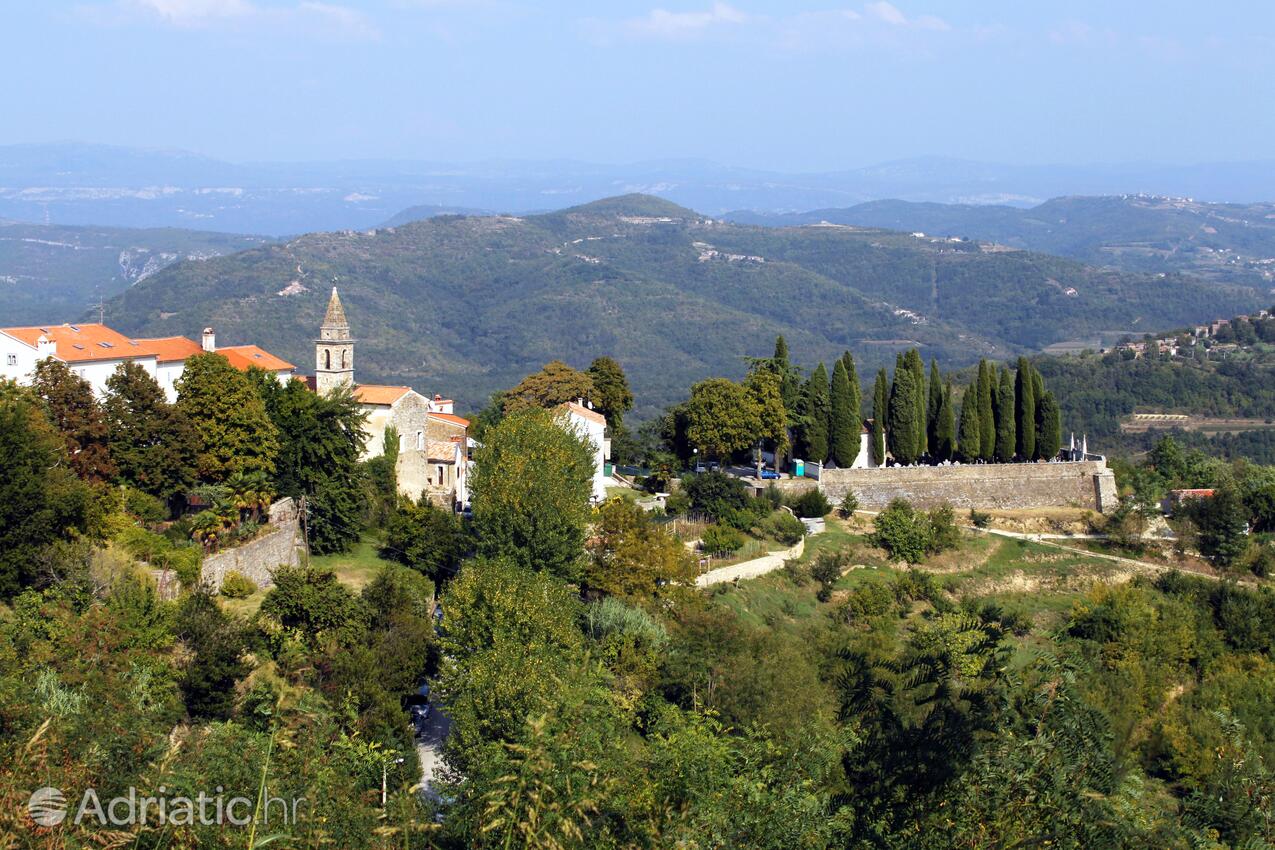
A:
(751, 569)
(429, 748)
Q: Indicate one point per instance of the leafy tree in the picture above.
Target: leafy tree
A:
(970, 434)
(816, 408)
(41, 500)
(611, 394)
(986, 410)
(903, 531)
(233, 432)
(1049, 440)
(933, 406)
(945, 432)
(216, 665)
(901, 427)
(426, 538)
(1222, 522)
(314, 604)
(772, 419)
(1025, 410)
(1005, 435)
(530, 491)
(715, 493)
(68, 400)
(722, 418)
(880, 412)
(844, 424)
(553, 385)
(631, 556)
(151, 441)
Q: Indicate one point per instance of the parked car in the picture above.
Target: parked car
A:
(769, 474)
(420, 718)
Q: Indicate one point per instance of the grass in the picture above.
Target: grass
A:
(628, 494)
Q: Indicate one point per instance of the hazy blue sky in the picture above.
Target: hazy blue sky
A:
(797, 85)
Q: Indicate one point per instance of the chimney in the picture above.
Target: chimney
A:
(46, 347)
(210, 340)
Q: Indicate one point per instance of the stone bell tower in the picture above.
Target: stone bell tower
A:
(333, 350)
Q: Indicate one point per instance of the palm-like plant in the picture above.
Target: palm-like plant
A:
(250, 492)
(206, 528)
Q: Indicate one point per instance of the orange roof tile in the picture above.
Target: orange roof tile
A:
(453, 418)
(377, 394)
(170, 349)
(80, 343)
(243, 356)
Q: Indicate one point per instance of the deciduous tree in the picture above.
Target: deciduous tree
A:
(611, 394)
(233, 432)
(68, 400)
(152, 442)
(722, 418)
(551, 386)
(631, 556)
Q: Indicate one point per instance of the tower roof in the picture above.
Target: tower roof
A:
(336, 313)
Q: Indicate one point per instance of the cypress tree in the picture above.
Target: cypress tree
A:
(1038, 392)
(933, 405)
(971, 430)
(1005, 443)
(817, 409)
(1025, 411)
(901, 429)
(914, 362)
(1049, 440)
(879, 414)
(986, 411)
(789, 379)
(856, 391)
(843, 435)
(945, 431)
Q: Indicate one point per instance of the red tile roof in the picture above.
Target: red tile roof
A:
(377, 394)
(453, 418)
(581, 410)
(81, 343)
(243, 356)
(170, 349)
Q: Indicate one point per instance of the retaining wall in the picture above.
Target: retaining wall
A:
(259, 558)
(1083, 484)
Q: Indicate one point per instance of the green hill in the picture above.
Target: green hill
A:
(1232, 243)
(52, 273)
(467, 305)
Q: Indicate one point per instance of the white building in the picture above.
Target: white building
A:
(590, 425)
(94, 351)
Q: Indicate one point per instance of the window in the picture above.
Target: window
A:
(440, 475)
(420, 441)
(12, 360)
(342, 358)
(327, 358)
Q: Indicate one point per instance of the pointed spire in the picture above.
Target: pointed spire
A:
(336, 313)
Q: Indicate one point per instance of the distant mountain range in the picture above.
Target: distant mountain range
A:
(102, 185)
(52, 273)
(468, 305)
(1233, 243)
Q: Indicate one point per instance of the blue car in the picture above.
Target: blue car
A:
(769, 473)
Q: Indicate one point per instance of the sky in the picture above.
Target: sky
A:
(800, 85)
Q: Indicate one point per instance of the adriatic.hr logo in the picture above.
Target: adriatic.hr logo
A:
(49, 807)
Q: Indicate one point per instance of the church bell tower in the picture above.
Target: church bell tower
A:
(333, 350)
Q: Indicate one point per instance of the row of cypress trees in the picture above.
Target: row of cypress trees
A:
(1003, 416)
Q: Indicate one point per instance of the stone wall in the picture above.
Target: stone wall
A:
(257, 559)
(1083, 484)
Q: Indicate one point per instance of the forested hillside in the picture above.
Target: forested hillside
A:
(52, 273)
(467, 305)
(1225, 242)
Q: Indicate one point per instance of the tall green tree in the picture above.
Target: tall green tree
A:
(945, 432)
(233, 431)
(816, 408)
(856, 388)
(426, 538)
(1049, 440)
(789, 375)
(912, 360)
(1025, 410)
(1005, 439)
(843, 419)
(901, 422)
(553, 385)
(75, 413)
(722, 418)
(612, 396)
(530, 490)
(970, 433)
(1038, 392)
(934, 404)
(880, 414)
(986, 410)
(772, 418)
(152, 442)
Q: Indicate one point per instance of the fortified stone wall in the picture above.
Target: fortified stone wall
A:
(259, 558)
(1083, 484)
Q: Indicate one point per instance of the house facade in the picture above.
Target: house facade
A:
(590, 426)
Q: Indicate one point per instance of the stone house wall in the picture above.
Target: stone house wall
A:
(258, 559)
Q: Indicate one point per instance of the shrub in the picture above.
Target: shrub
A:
(715, 493)
(903, 532)
(797, 572)
(184, 561)
(783, 527)
(721, 538)
(236, 585)
(826, 570)
(944, 534)
(980, 519)
(144, 506)
(677, 503)
(849, 504)
(609, 616)
(811, 504)
(743, 518)
(872, 600)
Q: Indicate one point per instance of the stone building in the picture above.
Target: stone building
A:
(433, 453)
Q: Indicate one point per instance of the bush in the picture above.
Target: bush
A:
(677, 504)
(144, 506)
(745, 517)
(849, 504)
(944, 534)
(236, 585)
(783, 527)
(826, 570)
(721, 538)
(811, 504)
(980, 519)
(715, 493)
(902, 531)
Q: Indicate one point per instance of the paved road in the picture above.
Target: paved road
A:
(429, 747)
